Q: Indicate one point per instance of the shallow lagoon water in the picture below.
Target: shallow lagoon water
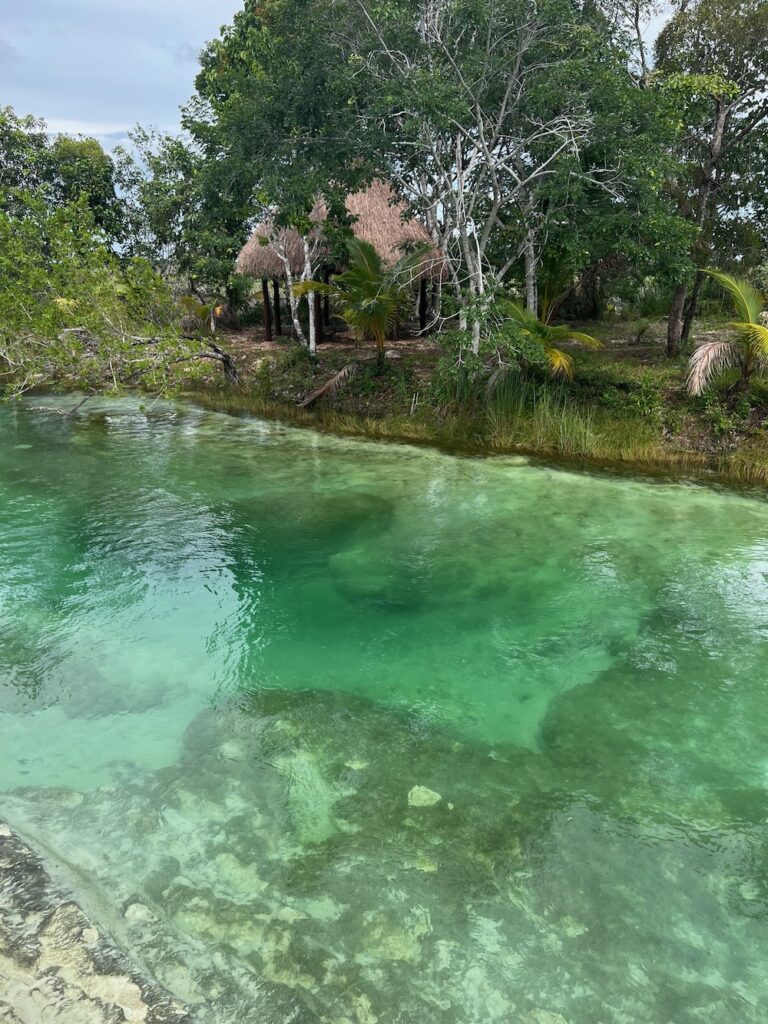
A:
(229, 650)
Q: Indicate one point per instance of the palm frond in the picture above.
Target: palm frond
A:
(560, 362)
(756, 335)
(709, 359)
(521, 315)
(585, 339)
(363, 257)
(330, 388)
(747, 299)
(319, 287)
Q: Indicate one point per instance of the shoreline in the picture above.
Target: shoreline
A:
(731, 472)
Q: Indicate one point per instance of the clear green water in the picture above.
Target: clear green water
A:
(229, 650)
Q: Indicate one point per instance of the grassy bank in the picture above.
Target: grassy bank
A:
(626, 409)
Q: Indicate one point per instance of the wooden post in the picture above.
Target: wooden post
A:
(423, 304)
(276, 294)
(267, 309)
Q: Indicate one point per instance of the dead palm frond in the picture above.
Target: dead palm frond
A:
(748, 351)
(331, 387)
(708, 359)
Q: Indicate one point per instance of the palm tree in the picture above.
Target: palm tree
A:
(371, 295)
(747, 351)
(549, 337)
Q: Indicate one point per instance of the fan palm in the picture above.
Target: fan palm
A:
(370, 295)
(549, 337)
(747, 351)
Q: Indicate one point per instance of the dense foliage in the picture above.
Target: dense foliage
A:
(73, 307)
(565, 170)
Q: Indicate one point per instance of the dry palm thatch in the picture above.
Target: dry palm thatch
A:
(260, 256)
(384, 222)
(380, 220)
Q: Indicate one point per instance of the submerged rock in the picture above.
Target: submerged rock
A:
(55, 966)
(420, 796)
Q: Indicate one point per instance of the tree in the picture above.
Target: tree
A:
(711, 56)
(474, 123)
(634, 17)
(80, 167)
(276, 120)
(371, 296)
(63, 169)
(607, 214)
(73, 312)
(23, 147)
(179, 214)
(748, 352)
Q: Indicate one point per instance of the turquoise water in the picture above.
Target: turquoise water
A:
(326, 730)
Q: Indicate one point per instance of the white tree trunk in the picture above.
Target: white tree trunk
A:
(307, 276)
(294, 303)
(311, 299)
(476, 337)
(531, 267)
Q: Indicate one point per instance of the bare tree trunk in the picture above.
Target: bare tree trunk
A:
(437, 299)
(231, 374)
(318, 311)
(675, 325)
(267, 309)
(327, 300)
(679, 328)
(293, 302)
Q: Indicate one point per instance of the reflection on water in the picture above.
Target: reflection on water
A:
(229, 650)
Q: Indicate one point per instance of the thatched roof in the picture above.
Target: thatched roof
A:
(259, 256)
(381, 220)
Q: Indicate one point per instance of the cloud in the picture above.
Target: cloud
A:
(96, 68)
(66, 126)
(8, 53)
(183, 54)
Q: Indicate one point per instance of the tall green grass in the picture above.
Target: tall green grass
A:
(541, 415)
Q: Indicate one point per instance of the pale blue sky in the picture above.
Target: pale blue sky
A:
(100, 66)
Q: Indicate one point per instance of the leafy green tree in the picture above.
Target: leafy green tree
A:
(23, 149)
(69, 310)
(62, 169)
(711, 57)
(80, 167)
(73, 313)
(179, 216)
(275, 119)
(607, 213)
